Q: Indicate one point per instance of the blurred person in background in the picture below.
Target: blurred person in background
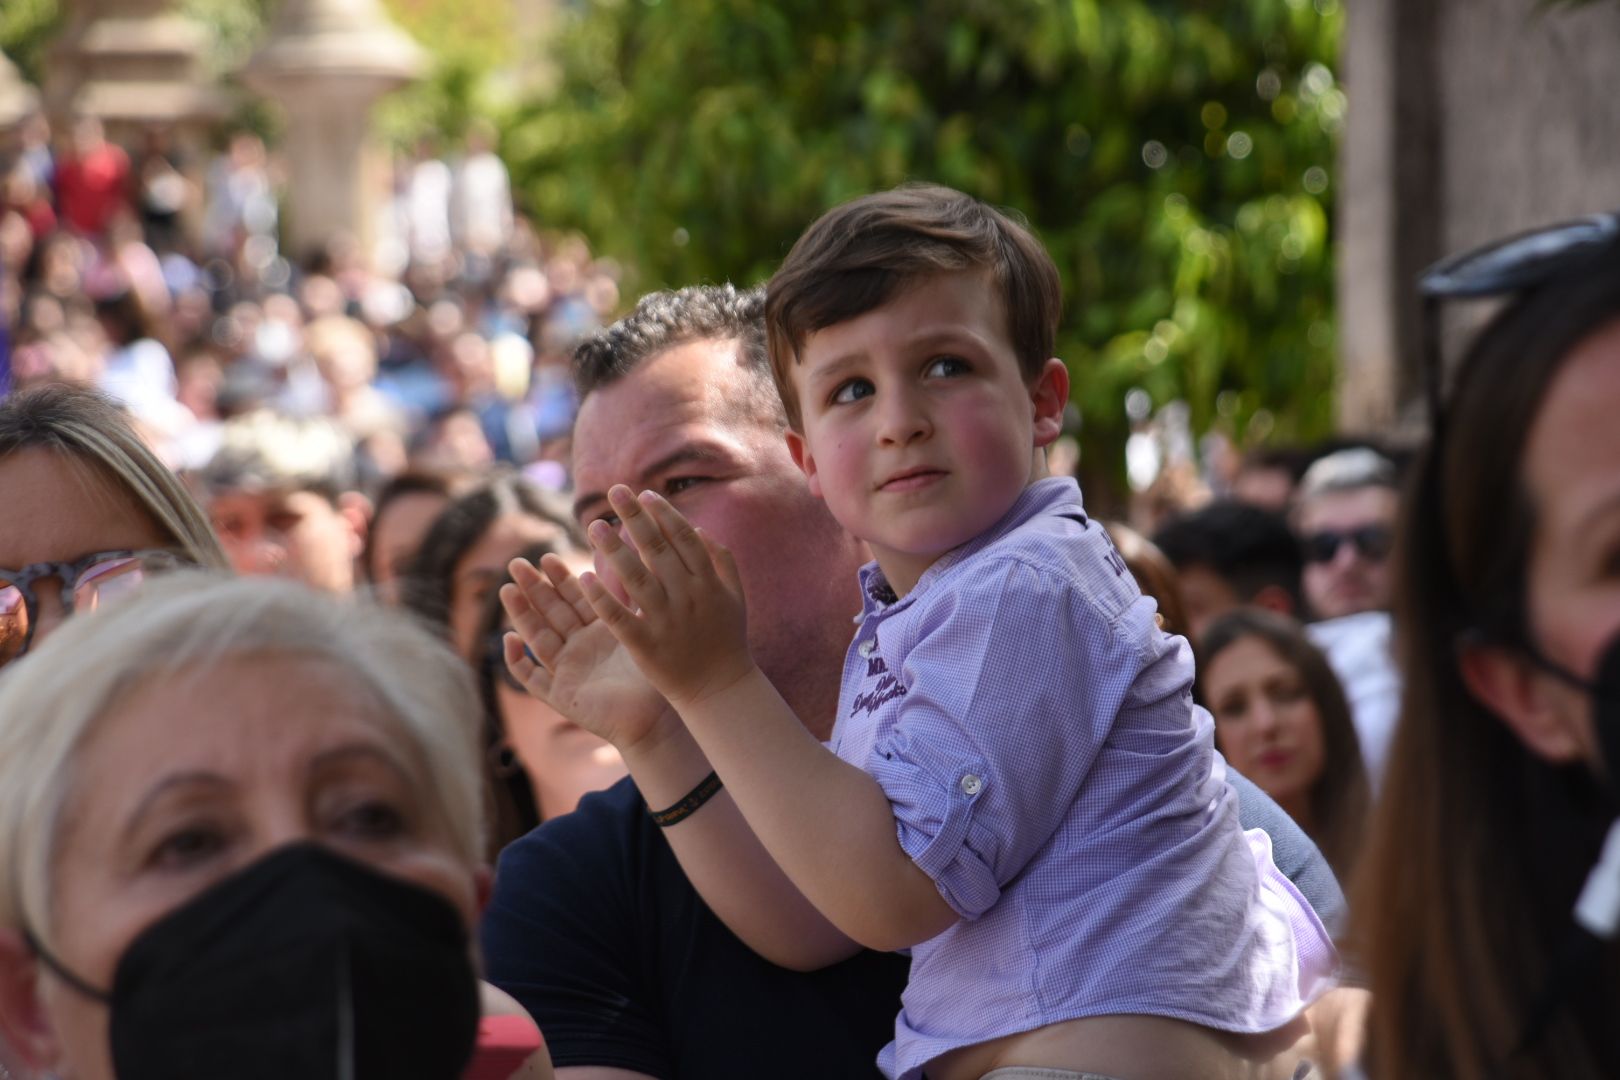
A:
(1230, 554)
(1281, 719)
(462, 560)
(89, 511)
(541, 763)
(92, 180)
(1344, 514)
(244, 834)
(280, 493)
(1267, 477)
(405, 509)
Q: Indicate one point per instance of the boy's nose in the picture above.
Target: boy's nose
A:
(903, 420)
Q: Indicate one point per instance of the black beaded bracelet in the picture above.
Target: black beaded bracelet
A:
(689, 805)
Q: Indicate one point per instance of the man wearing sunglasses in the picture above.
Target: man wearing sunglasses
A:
(1345, 517)
(1344, 514)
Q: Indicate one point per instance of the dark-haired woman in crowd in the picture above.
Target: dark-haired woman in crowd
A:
(453, 583)
(1282, 720)
(1501, 785)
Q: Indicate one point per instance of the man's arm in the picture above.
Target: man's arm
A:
(689, 637)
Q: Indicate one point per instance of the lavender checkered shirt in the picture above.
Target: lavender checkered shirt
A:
(1035, 734)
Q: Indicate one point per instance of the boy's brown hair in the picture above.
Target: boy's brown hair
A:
(858, 255)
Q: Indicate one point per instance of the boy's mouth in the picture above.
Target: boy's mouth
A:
(911, 479)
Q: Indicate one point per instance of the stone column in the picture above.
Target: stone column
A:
(18, 100)
(132, 64)
(326, 62)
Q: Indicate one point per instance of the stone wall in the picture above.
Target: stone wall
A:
(1469, 119)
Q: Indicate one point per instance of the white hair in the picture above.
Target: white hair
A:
(51, 699)
(1346, 470)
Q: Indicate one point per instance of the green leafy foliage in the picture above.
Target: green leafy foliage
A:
(1175, 158)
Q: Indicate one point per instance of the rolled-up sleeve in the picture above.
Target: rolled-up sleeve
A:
(1012, 681)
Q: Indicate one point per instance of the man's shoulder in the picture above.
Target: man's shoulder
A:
(608, 826)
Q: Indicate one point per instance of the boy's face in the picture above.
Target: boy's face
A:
(919, 429)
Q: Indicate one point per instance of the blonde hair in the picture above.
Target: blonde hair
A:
(51, 700)
(88, 428)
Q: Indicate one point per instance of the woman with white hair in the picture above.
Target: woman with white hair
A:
(242, 827)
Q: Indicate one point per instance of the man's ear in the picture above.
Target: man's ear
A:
(1275, 598)
(25, 1030)
(805, 460)
(1050, 396)
(1506, 683)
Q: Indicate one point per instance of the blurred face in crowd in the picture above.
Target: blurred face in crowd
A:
(291, 533)
(1346, 537)
(396, 536)
(1266, 722)
(1572, 474)
(56, 509)
(1205, 595)
(696, 426)
(479, 572)
(169, 800)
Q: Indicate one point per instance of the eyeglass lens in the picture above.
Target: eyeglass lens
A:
(104, 583)
(1371, 542)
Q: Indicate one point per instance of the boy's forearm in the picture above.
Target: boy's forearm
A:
(726, 863)
(826, 823)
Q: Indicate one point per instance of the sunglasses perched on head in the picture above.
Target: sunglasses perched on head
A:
(1498, 269)
(86, 584)
(1372, 542)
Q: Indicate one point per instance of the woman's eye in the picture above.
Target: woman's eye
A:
(1229, 711)
(373, 821)
(946, 366)
(188, 846)
(853, 390)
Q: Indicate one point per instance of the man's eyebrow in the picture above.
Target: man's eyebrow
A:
(699, 453)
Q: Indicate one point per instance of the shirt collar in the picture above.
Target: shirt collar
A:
(1049, 495)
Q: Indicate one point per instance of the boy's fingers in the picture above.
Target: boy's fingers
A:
(535, 679)
(725, 564)
(531, 624)
(567, 586)
(646, 533)
(620, 620)
(683, 538)
(640, 585)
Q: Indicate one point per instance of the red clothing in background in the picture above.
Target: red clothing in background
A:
(90, 189)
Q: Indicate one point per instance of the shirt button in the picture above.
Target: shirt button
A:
(865, 648)
(971, 784)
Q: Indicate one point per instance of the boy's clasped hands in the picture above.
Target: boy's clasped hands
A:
(681, 619)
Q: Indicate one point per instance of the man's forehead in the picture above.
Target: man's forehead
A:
(1371, 503)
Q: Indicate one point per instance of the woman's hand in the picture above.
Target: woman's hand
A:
(687, 628)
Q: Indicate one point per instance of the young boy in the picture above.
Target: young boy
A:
(1018, 788)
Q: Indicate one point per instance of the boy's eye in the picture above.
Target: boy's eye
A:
(676, 485)
(946, 366)
(850, 391)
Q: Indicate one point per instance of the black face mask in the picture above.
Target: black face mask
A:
(305, 964)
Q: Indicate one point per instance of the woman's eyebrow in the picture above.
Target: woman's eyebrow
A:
(155, 794)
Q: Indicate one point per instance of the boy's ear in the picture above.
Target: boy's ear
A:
(1050, 395)
(1507, 684)
(804, 460)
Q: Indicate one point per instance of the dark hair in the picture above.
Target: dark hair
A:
(412, 482)
(1339, 799)
(855, 257)
(514, 808)
(1252, 549)
(1479, 847)
(663, 320)
(430, 581)
(1155, 575)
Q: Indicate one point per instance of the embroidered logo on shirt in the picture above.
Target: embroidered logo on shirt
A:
(876, 666)
(887, 689)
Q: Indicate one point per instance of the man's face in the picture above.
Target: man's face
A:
(295, 534)
(1206, 596)
(1346, 536)
(695, 426)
